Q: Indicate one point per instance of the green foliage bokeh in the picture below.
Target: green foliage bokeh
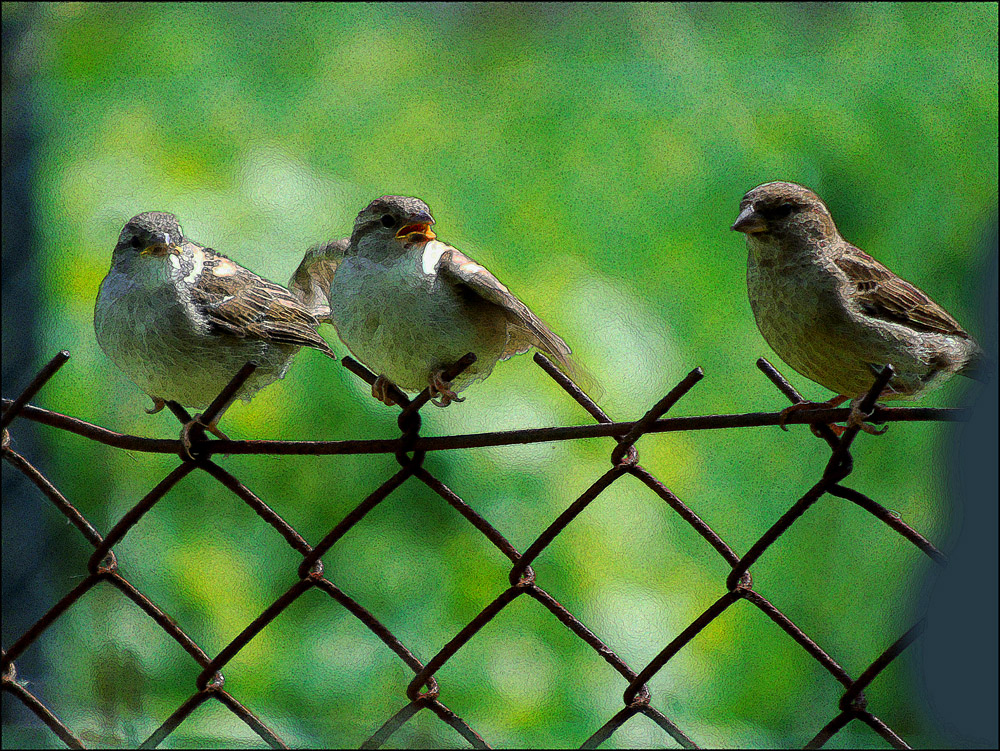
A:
(593, 157)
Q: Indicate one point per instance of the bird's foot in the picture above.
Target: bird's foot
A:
(857, 420)
(158, 404)
(800, 406)
(442, 388)
(186, 442)
(381, 390)
(835, 401)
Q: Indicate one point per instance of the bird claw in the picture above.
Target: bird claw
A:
(381, 391)
(797, 407)
(857, 420)
(187, 443)
(158, 405)
(800, 406)
(440, 387)
(828, 404)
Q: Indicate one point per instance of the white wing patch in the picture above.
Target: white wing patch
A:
(225, 267)
(433, 251)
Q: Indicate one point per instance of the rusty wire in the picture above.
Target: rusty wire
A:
(409, 449)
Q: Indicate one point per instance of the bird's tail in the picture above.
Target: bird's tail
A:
(978, 367)
(582, 377)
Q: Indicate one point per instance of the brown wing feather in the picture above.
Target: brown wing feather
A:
(884, 295)
(310, 284)
(524, 328)
(240, 303)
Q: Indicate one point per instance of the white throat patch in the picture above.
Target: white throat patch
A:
(198, 256)
(433, 251)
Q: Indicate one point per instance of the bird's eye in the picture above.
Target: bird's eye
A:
(387, 221)
(780, 212)
(135, 242)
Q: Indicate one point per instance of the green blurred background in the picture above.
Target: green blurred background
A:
(593, 157)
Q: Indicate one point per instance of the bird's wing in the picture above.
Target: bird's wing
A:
(884, 295)
(238, 302)
(524, 328)
(310, 284)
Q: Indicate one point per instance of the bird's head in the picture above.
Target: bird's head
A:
(153, 234)
(391, 223)
(785, 214)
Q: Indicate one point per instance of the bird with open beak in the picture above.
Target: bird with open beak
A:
(409, 306)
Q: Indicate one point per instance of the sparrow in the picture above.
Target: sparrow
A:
(834, 313)
(409, 306)
(181, 319)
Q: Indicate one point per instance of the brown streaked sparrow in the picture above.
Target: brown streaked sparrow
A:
(834, 313)
(181, 319)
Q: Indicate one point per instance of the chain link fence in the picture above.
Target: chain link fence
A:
(196, 454)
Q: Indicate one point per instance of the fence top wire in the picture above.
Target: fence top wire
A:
(423, 692)
(604, 429)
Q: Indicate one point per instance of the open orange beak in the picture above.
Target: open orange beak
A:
(420, 232)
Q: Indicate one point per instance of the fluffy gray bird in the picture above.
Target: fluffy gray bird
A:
(834, 313)
(408, 306)
(181, 320)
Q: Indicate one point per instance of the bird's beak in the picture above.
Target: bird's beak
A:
(161, 248)
(749, 222)
(417, 230)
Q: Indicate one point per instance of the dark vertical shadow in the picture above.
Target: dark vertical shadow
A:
(958, 653)
(26, 568)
